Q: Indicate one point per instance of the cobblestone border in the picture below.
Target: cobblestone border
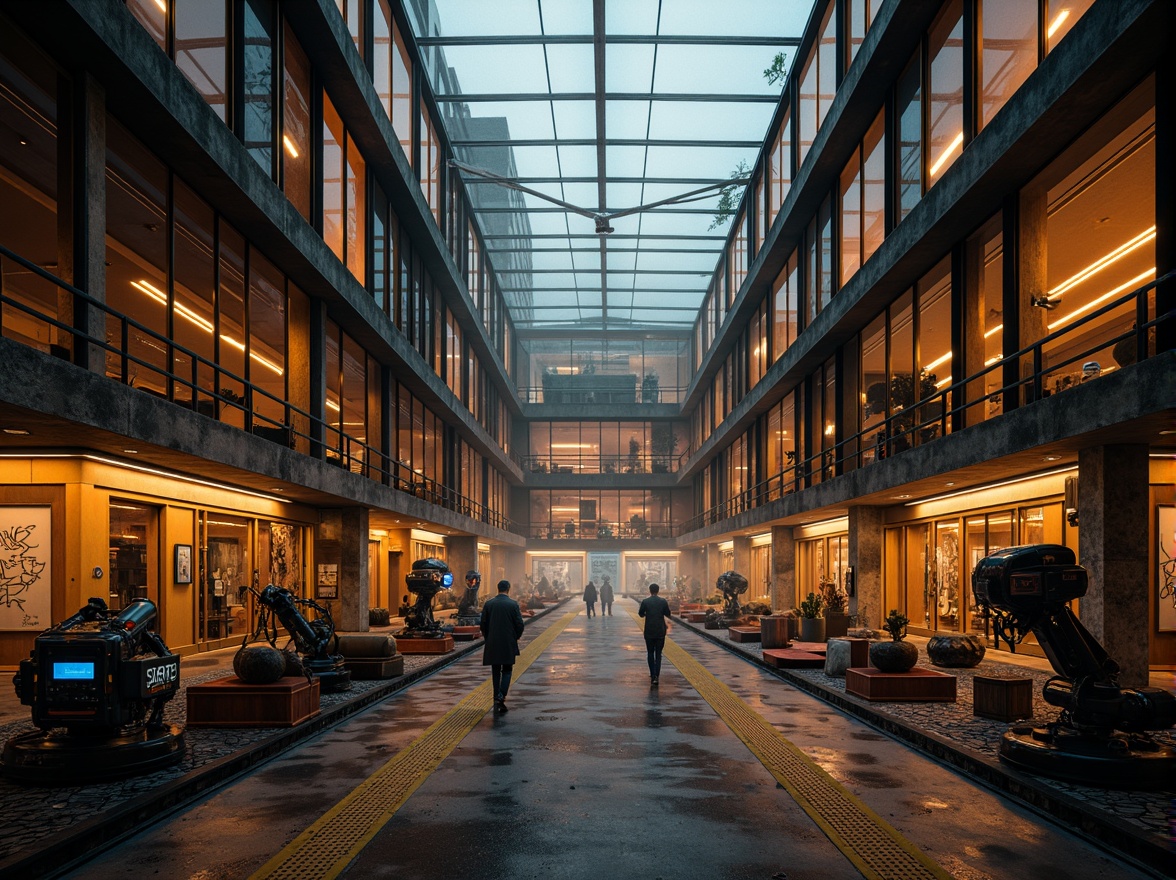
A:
(1132, 825)
(49, 830)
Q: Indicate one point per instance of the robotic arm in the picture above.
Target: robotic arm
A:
(312, 638)
(1101, 725)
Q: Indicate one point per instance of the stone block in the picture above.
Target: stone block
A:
(841, 654)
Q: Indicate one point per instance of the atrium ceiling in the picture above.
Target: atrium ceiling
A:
(565, 115)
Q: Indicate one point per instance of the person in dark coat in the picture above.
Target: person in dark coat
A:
(590, 598)
(606, 598)
(656, 612)
(501, 625)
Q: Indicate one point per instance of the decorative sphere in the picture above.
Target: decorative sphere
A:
(958, 651)
(891, 656)
(259, 664)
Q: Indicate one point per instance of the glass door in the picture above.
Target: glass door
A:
(133, 557)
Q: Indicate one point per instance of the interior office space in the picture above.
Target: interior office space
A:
(293, 294)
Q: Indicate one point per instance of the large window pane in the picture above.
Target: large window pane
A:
(258, 82)
(201, 49)
(945, 125)
(910, 139)
(1008, 51)
(296, 140)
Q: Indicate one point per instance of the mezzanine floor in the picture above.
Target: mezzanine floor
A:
(724, 770)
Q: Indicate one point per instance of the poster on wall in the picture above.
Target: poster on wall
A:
(602, 566)
(1166, 606)
(25, 568)
(328, 581)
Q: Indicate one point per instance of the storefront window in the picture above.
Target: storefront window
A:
(224, 594)
(946, 584)
(133, 550)
(918, 584)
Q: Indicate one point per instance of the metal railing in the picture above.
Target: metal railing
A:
(635, 463)
(932, 417)
(603, 530)
(295, 428)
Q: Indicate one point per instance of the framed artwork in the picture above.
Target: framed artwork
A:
(1166, 564)
(26, 567)
(183, 564)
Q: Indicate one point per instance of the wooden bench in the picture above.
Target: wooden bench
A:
(915, 686)
(370, 655)
(791, 658)
(743, 633)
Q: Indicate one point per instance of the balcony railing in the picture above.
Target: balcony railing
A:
(635, 463)
(603, 530)
(986, 391)
(207, 388)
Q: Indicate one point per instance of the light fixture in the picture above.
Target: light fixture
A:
(19, 432)
(1009, 482)
(289, 145)
(948, 152)
(1057, 23)
(901, 497)
(131, 451)
(1051, 458)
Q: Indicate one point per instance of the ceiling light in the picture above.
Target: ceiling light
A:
(21, 432)
(902, 497)
(1051, 458)
(131, 451)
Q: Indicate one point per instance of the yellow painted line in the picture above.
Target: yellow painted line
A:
(875, 847)
(328, 846)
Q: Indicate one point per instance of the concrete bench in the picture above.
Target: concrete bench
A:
(370, 655)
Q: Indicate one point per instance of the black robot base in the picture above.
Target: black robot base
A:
(60, 758)
(1118, 760)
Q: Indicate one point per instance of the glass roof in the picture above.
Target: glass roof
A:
(584, 131)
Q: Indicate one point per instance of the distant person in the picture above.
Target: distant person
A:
(590, 598)
(606, 598)
(501, 625)
(656, 612)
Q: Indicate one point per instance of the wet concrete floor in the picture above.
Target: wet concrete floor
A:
(593, 773)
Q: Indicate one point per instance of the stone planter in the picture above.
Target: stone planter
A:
(836, 624)
(774, 632)
(812, 629)
(891, 656)
(955, 651)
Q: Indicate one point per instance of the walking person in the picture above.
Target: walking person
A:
(501, 625)
(590, 598)
(656, 612)
(606, 598)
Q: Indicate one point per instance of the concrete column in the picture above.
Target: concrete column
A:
(692, 564)
(742, 547)
(463, 555)
(714, 568)
(783, 568)
(1113, 546)
(399, 563)
(865, 555)
(341, 539)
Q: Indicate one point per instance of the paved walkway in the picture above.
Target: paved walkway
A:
(593, 772)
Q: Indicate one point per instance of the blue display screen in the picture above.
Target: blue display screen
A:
(73, 670)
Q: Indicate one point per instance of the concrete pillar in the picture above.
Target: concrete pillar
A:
(1113, 546)
(783, 568)
(865, 556)
(742, 547)
(341, 539)
(692, 564)
(714, 568)
(463, 555)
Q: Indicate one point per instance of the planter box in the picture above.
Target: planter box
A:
(230, 702)
(371, 669)
(442, 645)
(791, 658)
(917, 685)
(1002, 699)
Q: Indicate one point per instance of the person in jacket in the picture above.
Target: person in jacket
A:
(656, 612)
(590, 598)
(501, 625)
(606, 598)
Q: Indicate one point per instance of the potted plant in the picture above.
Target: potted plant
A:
(663, 445)
(836, 616)
(895, 655)
(812, 624)
(649, 388)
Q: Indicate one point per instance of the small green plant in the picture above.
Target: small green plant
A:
(812, 606)
(730, 194)
(896, 624)
(834, 596)
(776, 71)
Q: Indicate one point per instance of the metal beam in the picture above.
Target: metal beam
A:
(611, 39)
(609, 142)
(696, 97)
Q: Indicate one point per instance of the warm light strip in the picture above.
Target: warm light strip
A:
(943, 382)
(1126, 285)
(935, 363)
(1104, 261)
(162, 6)
(158, 295)
(148, 470)
(569, 446)
(1057, 23)
(995, 329)
(1002, 483)
(948, 151)
(240, 346)
(183, 311)
(992, 360)
(289, 145)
